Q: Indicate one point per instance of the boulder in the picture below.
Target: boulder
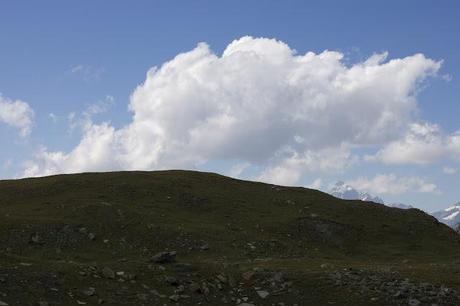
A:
(164, 257)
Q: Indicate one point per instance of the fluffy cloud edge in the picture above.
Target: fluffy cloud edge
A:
(17, 114)
(423, 144)
(393, 185)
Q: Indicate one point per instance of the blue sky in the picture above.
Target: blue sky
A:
(77, 64)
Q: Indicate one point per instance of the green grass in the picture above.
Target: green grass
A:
(136, 214)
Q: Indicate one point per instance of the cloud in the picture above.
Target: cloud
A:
(453, 145)
(94, 152)
(289, 170)
(53, 117)
(87, 72)
(260, 102)
(236, 170)
(423, 144)
(84, 120)
(391, 184)
(449, 170)
(316, 184)
(17, 114)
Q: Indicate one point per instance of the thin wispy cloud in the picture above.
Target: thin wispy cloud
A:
(87, 72)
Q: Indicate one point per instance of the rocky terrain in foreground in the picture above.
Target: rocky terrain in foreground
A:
(189, 238)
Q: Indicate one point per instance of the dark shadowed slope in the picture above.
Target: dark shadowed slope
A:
(237, 242)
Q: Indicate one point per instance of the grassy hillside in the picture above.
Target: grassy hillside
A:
(89, 239)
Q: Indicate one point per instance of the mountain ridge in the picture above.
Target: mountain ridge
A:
(449, 216)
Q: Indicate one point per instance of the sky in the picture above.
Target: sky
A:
(301, 93)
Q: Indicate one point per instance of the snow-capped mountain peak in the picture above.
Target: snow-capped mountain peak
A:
(453, 208)
(344, 191)
(449, 216)
(400, 205)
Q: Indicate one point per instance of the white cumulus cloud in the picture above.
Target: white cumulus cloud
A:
(316, 184)
(391, 184)
(423, 144)
(17, 114)
(260, 102)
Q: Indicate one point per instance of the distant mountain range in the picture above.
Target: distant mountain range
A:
(449, 216)
(346, 192)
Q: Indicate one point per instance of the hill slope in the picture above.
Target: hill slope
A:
(89, 238)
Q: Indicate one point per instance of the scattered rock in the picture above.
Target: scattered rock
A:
(172, 281)
(108, 273)
(413, 302)
(396, 291)
(156, 293)
(262, 293)
(277, 277)
(195, 287)
(42, 303)
(90, 291)
(184, 267)
(35, 239)
(91, 236)
(179, 289)
(142, 296)
(3, 303)
(247, 275)
(174, 298)
(222, 278)
(164, 257)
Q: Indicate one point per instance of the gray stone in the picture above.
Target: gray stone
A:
(172, 281)
(108, 273)
(35, 239)
(262, 293)
(413, 302)
(174, 298)
(90, 291)
(222, 278)
(184, 267)
(195, 287)
(164, 257)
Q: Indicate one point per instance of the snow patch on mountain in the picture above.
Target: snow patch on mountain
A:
(346, 192)
(449, 216)
(400, 205)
